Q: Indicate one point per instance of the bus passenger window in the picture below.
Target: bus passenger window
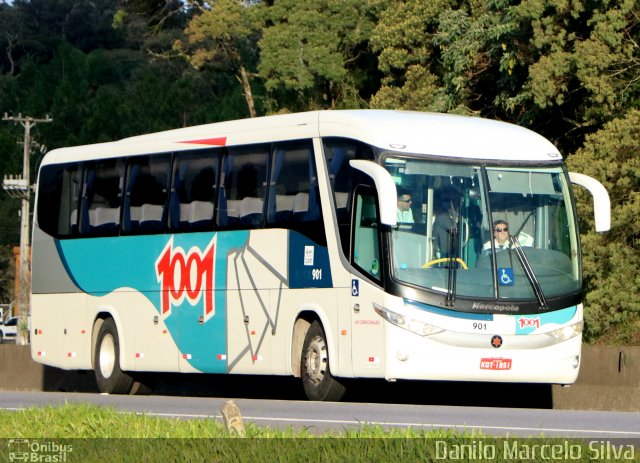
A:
(294, 199)
(145, 201)
(243, 185)
(193, 190)
(100, 206)
(58, 194)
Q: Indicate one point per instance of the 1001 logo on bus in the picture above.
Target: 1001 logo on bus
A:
(529, 322)
(186, 275)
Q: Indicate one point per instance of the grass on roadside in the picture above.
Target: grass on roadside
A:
(90, 421)
(86, 433)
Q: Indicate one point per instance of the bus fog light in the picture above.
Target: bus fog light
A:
(576, 362)
(402, 356)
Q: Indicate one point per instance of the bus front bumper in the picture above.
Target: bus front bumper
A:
(511, 358)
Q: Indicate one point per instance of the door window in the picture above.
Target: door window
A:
(366, 237)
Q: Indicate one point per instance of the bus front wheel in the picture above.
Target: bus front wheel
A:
(110, 378)
(316, 377)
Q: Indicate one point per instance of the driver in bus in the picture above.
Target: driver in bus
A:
(404, 214)
(500, 236)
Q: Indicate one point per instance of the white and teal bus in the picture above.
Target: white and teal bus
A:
(272, 246)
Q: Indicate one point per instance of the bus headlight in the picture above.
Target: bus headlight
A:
(415, 326)
(567, 332)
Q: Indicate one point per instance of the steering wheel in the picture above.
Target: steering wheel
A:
(446, 259)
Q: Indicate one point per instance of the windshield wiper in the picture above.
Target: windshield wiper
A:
(528, 270)
(453, 246)
(451, 274)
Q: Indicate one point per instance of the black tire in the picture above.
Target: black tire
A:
(1, 337)
(110, 378)
(314, 367)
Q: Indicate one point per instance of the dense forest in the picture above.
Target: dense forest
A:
(568, 69)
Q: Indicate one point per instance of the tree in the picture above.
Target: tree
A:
(315, 54)
(443, 56)
(7, 274)
(611, 261)
(562, 68)
(403, 37)
(11, 34)
(10, 164)
(583, 64)
(150, 24)
(155, 14)
(85, 24)
(224, 35)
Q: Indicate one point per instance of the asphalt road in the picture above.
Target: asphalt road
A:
(320, 417)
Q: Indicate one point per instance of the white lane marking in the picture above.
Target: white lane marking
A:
(381, 423)
(401, 424)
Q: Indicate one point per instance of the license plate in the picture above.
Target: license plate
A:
(495, 364)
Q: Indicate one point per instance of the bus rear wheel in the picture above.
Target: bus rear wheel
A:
(316, 376)
(110, 378)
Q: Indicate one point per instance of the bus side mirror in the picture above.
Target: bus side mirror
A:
(385, 186)
(601, 202)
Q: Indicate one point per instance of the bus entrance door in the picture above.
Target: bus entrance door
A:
(367, 330)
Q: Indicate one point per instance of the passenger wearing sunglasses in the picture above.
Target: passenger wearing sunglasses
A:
(500, 236)
(404, 213)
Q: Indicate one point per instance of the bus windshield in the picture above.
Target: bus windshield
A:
(484, 231)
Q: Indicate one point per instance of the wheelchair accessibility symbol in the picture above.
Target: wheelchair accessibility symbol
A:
(505, 276)
(355, 288)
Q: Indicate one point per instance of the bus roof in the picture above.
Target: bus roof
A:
(436, 134)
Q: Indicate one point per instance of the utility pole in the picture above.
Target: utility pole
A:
(20, 187)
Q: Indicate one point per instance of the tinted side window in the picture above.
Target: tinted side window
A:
(366, 238)
(146, 193)
(193, 190)
(344, 178)
(243, 187)
(59, 189)
(100, 206)
(294, 198)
